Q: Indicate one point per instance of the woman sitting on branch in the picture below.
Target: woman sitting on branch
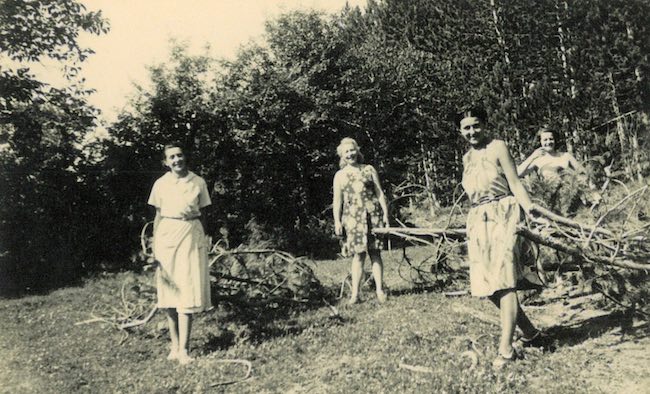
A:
(549, 163)
(359, 206)
(564, 182)
(495, 252)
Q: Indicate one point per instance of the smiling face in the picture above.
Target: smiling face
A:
(471, 129)
(350, 153)
(175, 160)
(547, 140)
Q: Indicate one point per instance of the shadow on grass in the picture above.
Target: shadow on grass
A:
(577, 333)
(257, 321)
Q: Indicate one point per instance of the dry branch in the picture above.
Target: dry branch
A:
(249, 368)
(574, 251)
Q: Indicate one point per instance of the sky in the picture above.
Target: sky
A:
(141, 31)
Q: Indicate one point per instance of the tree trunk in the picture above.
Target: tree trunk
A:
(571, 134)
(506, 58)
(634, 138)
(620, 127)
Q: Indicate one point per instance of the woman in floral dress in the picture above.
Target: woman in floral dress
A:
(494, 250)
(359, 206)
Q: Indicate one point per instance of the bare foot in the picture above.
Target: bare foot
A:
(173, 355)
(382, 297)
(184, 358)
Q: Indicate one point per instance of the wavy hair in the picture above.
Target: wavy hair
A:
(339, 150)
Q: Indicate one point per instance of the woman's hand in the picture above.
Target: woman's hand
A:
(535, 215)
(539, 152)
(338, 229)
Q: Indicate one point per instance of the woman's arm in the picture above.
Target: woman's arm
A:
(509, 170)
(380, 194)
(337, 203)
(156, 220)
(574, 164)
(528, 165)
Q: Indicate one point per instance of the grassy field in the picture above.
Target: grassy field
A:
(360, 348)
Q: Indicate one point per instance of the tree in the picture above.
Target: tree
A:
(40, 128)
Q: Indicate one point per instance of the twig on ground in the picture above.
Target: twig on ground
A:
(139, 322)
(249, 369)
(415, 368)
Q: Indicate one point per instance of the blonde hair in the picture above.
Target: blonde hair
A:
(339, 150)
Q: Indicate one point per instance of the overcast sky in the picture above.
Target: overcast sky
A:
(141, 31)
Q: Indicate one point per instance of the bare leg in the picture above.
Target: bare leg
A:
(184, 329)
(378, 273)
(509, 308)
(357, 272)
(523, 322)
(172, 319)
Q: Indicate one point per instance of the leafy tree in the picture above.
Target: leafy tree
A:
(41, 226)
(263, 128)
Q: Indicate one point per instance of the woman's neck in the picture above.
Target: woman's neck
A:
(181, 174)
(483, 144)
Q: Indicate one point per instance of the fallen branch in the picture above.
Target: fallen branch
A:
(249, 368)
(577, 252)
(415, 368)
(434, 232)
(572, 223)
(135, 323)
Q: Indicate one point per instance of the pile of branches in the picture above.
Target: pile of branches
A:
(610, 245)
(261, 275)
(240, 277)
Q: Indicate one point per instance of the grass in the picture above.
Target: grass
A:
(312, 349)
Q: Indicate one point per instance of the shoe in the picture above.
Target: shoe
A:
(503, 360)
(173, 355)
(538, 340)
(382, 297)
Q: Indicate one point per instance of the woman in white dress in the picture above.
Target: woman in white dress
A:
(180, 248)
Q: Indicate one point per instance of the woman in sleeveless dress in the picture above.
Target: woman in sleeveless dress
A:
(180, 248)
(359, 206)
(494, 250)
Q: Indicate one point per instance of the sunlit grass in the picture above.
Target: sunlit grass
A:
(358, 349)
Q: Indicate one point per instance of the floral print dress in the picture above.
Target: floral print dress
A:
(361, 212)
(495, 252)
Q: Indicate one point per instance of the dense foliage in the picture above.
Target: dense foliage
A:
(45, 219)
(263, 128)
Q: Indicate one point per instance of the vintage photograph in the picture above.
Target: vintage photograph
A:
(325, 196)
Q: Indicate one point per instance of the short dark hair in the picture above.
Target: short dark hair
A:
(475, 112)
(547, 129)
(169, 146)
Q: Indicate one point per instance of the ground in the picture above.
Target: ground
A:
(421, 340)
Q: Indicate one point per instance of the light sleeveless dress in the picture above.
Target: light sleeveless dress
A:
(179, 245)
(361, 212)
(493, 247)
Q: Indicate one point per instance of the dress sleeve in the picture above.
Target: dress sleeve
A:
(154, 197)
(204, 195)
